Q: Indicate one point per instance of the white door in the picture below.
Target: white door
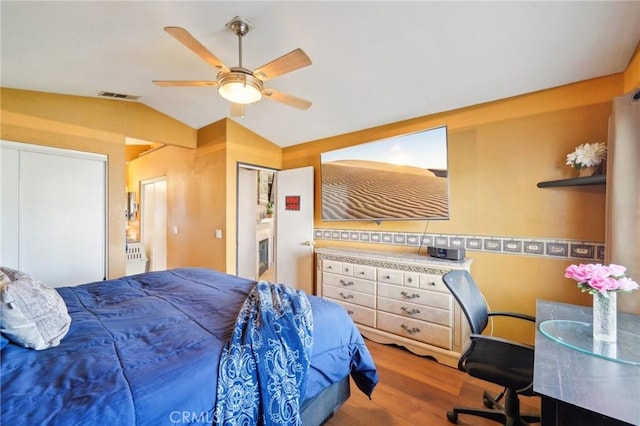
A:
(154, 223)
(246, 224)
(294, 228)
(53, 213)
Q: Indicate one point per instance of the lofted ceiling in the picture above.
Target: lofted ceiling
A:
(374, 62)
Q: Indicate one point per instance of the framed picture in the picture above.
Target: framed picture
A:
(265, 178)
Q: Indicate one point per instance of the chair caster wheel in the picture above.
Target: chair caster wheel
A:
(487, 402)
(452, 417)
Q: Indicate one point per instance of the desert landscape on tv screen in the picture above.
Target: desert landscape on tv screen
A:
(394, 179)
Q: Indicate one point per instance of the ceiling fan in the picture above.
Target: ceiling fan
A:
(239, 85)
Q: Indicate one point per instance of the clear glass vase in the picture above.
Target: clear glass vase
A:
(605, 322)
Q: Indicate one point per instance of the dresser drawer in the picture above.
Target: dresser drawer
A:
(411, 279)
(347, 269)
(332, 266)
(432, 282)
(364, 272)
(426, 332)
(345, 295)
(420, 312)
(390, 276)
(360, 314)
(350, 283)
(416, 296)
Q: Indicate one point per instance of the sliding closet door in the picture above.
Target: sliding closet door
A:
(61, 214)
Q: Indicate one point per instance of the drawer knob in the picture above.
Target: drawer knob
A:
(409, 296)
(350, 312)
(346, 269)
(387, 277)
(345, 283)
(410, 330)
(432, 283)
(410, 311)
(409, 280)
(346, 296)
(361, 272)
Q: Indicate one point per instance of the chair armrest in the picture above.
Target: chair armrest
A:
(513, 315)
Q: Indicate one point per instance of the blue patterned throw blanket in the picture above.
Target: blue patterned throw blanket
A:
(263, 369)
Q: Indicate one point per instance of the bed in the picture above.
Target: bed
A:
(147, 349)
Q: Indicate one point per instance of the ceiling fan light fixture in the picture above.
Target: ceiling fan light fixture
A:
(239, 87)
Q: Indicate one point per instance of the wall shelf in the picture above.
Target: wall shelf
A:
(579, 181)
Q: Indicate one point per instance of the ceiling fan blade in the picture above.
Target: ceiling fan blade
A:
(237, 110)
(184, 37)
(286, 99)
(185, 83)
(292, 61)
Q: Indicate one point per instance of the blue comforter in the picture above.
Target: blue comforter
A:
(145, 349)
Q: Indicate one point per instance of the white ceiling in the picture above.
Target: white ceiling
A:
(373, 62)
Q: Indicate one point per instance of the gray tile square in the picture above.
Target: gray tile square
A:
(473, 243)
(512, 246)
(456, 242)
(399, 239)
(583, 251)
(534, 247)
(413, 239)
(557, 249)
(491, 244)
(441, 241)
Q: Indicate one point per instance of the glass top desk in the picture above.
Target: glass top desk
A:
(578, 386)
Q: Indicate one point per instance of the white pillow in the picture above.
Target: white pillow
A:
(32, 314)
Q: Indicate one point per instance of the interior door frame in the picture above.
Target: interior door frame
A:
(144, 210)
(257, 168)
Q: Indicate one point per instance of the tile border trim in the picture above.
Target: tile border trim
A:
(552, 248)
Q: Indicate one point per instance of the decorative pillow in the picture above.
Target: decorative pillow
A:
(32, 314)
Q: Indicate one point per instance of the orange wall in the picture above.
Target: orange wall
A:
(497, 153)
(201, 191)
(632, 73)
(90, 125)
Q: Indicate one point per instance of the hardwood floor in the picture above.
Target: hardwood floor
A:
(416, 390)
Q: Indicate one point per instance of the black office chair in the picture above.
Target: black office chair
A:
(496, 360)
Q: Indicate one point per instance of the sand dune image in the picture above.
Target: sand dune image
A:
(369, 190)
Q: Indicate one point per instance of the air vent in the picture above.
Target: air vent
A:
(118, 96)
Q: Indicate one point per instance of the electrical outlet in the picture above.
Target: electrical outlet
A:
(218, 233)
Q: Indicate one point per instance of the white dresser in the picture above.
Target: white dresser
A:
(396, 298)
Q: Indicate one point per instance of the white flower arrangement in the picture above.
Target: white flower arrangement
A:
(587, 155)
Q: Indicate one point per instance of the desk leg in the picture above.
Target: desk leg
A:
(549, 411)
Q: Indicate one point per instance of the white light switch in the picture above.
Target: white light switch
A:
(175, 229)
(218, 233)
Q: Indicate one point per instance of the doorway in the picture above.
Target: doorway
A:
(153, 207)
(288, 231)
(255, 238)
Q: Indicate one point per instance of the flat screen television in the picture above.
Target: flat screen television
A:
(399, 178)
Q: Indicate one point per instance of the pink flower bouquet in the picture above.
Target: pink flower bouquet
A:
(594, 278)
